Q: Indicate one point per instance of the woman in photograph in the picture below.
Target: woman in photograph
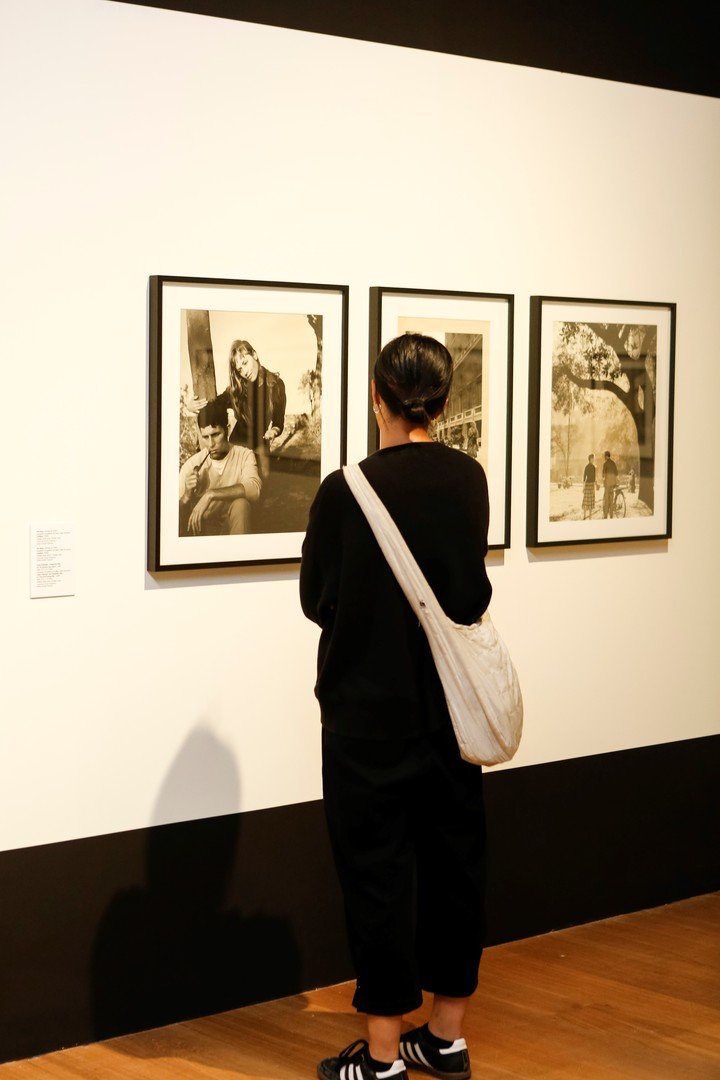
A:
(589, 481)
(257, 398)
(405, 812)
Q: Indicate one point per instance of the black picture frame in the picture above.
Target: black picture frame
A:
(309, 325)
(623, 351)
(455, 316)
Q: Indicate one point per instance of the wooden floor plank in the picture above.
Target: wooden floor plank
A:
(631, 998)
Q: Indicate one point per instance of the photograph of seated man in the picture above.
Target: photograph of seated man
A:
(219, 483)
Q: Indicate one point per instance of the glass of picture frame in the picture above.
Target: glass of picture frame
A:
(248, 386)
(477, 328)
(600, 426)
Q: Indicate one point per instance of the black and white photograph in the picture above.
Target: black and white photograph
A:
(257, 379)
(601, 409)
(476, 328)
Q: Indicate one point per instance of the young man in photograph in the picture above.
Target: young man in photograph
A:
(219, 482)
(610, 477)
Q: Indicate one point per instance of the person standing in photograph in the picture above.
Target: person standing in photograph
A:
(219, 482)
(257, 398)
(610, 476)
(589, 481)
(472, 440)
(405, 812)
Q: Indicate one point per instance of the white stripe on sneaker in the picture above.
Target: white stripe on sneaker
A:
(423, 1059)
(397, 1066)
(458, 1045)
(410, 1052)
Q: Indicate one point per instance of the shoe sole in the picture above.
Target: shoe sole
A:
(438, 1073)
(322, 1075)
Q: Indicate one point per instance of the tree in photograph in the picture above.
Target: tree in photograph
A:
(311, 381)
(563, 440)
(621, 436)
(189, 444)
(567, 399)
(200, 352)
(618, 358)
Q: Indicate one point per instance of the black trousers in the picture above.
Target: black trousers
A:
(407, 828)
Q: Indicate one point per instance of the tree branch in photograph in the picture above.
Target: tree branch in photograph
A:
(593, 384)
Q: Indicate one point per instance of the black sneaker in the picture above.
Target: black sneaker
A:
(449, 1063)
(353, 1063)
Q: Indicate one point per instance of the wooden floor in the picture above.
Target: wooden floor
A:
(632, 997)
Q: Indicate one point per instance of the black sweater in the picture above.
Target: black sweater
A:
(376, 676)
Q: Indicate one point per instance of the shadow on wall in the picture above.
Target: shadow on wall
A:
(181, 945)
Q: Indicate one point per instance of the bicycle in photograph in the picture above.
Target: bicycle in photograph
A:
(619, 502)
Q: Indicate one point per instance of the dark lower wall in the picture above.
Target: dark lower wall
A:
(133, 930)
(574, 841)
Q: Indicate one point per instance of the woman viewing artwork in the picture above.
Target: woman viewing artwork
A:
(405, 812)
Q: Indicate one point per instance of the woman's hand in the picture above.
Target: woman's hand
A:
(195, 404)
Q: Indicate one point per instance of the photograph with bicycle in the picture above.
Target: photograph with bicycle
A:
(602, 432)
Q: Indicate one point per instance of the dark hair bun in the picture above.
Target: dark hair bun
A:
(413, 374)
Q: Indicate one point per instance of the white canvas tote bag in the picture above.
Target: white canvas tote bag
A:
(480, 682)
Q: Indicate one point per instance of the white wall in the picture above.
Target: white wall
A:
(138, 142)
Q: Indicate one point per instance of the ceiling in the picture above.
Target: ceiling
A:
(674, 47)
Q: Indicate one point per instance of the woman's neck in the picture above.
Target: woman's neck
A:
(399, 432)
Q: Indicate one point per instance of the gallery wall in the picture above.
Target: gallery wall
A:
(152, 142)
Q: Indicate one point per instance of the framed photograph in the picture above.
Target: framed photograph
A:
(477, 329)
(247, 415)
(600, 421)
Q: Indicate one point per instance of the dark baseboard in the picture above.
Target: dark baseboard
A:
(119, 933)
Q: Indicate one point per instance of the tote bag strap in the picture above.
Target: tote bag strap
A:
(400, 559)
